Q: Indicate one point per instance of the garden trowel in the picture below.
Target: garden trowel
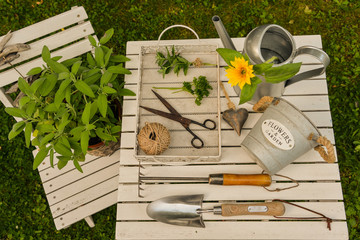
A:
(186, 210)
(235, 118)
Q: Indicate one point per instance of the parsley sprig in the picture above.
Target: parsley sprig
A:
(199, 88)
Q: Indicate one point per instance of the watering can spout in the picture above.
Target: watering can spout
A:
(223, 34)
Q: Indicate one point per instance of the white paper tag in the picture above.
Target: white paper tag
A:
(277, 134)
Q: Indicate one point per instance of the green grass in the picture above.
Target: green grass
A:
(24, 213)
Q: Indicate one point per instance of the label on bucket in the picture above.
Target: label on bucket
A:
(277, 134)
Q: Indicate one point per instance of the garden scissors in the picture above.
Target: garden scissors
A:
(185, 122)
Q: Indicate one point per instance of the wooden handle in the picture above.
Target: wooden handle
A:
(269, 208)
(240, 179)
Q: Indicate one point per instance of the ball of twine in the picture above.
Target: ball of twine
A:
(153, 138)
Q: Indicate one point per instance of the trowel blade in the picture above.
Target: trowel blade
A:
(236, 118)
(181, 210)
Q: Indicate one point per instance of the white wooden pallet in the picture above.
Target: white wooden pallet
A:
(72, 196)
(320, 187)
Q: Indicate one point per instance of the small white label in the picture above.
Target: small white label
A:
(277, 134)
(257, 209)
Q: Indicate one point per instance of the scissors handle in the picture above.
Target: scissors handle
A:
(208, 124)
(196, 142)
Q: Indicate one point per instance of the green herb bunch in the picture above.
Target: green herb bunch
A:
(71, 102)
(199, 88)
(171, 61)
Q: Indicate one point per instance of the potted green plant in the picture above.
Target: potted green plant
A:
(71, 103)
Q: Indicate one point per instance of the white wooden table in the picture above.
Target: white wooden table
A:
(319, 190)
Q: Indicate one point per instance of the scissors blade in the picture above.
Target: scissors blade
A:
(166, 103)
(184, 121)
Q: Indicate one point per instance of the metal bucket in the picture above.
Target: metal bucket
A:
(280, 136)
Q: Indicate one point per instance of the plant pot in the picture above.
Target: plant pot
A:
(99, 148)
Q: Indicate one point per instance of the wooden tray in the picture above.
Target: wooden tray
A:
(180, 149)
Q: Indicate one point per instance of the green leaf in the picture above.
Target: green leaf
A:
(52, 157)
(24, 100)
(107, 36)
(92, 40)
(40, 156)
(15, 112)
(261, 68)
(51, 108)
(108, 90)
(63, 75)
(102, 104)
(85, 117)
(48, 84)
(46, 139)
(282, 73)
(45, 128)
(119, 58)
(248, 91)
(90, 59)
(16, 129)
(77, 165)
(92, 79)
(45, 54)
(34, 71)
(84, 141)
(84, 88)
(30, 108)
(104, 136)
(75, 67)
(28, 130)
(99, 57)
(37, 84)
(63, 161)
(126, 92)
(24, 87)
(60, 94)
(77, 131)
(69, 62)
(116, 129)
(107, 57)
(229, 55)
(62, 149)
(118, 69)
(57, 67)
(105, 78)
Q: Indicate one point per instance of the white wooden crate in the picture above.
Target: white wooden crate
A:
(180, 149)
(319, 190)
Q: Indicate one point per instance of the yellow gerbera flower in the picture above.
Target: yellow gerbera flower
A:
(240, 72)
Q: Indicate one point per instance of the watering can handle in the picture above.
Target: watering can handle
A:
(318, 54)
(173, 26)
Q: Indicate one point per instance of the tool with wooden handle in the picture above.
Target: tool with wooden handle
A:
(220, 179)
(186, 210)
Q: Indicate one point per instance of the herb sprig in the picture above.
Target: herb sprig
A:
(199, 88)
(173, 60)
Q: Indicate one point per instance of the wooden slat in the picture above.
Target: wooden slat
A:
(334, 210)
(54, 41)
(84, 197)
(85, 210)
(300, 172)
(279, 230)
(73, 50)
(305, 191)
(36, 30)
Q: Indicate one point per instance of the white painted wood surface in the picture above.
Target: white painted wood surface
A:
(320, 187)
(72, 196)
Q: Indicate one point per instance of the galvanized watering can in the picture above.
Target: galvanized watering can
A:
(283, 134)
(267, 41)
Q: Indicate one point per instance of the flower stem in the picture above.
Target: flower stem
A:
(271, 59)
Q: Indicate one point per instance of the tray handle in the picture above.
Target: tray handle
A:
(174, 26)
